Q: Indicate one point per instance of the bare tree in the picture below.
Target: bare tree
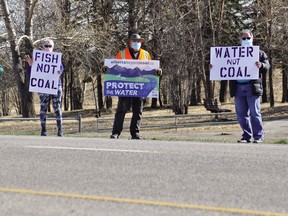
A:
(22, 78)
(270, 23)
(178, 33)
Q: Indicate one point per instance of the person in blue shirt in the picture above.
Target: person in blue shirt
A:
(48, 46)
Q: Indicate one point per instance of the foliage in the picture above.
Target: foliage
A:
(178, 33)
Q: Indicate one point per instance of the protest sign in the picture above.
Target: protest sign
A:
(131, 78)
(44, 72)
(234, 63)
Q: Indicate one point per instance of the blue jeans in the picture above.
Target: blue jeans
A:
(248, 112)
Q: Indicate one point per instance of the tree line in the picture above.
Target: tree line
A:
(178, 33)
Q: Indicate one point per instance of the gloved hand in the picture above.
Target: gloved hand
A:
(104, 69)
(158, 72)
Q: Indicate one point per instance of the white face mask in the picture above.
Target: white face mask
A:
(247, 42)
(136, 45)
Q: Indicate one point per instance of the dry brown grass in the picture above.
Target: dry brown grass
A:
(187, 133)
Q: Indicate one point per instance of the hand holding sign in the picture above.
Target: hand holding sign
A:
(158, 72)
(104, 69)
(28, 59)
(259, 64)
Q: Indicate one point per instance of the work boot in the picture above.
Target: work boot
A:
(114, 136)
(136, 136)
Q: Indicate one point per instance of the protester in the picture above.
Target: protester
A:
(133, 51)
(48, 46)
(247, 96)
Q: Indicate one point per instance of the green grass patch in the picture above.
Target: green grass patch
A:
(282, 141)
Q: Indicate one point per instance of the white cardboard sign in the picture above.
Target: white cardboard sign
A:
(234, 63)
(44, 72)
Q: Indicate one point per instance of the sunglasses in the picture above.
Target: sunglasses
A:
(47, 46)
(246, 38)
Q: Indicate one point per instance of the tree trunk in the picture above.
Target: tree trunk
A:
(271, 93)
(67, 79)
(154, 103)
(66, 91)
(27, 104)
(132, 21)
(5, 104)
(155, 100)
(77, 98)
(264, 84)
(78, 91)
(284, 83)
(223, 91)
(100, 93)
(108, 102)
(194, 95)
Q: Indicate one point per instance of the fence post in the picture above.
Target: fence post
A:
(80, 123)
(97, 126)
(176, 123)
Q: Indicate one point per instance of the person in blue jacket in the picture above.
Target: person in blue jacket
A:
(247, 96)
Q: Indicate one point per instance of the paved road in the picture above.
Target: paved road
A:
(87, 176)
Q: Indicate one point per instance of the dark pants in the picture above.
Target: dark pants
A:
(124, 105)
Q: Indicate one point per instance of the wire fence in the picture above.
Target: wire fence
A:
(152, 122)
(78, 119)
(172, 121)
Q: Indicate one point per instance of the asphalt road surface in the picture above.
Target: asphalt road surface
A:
(86, 176)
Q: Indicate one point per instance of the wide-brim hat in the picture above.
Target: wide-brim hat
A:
(136, 37)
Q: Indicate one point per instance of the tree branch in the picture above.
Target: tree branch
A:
(31, 10)
(3, 37)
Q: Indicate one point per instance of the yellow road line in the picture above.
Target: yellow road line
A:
(143, 202)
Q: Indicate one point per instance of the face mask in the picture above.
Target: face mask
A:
(247, 42)
(48, 49)
(136, 45)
